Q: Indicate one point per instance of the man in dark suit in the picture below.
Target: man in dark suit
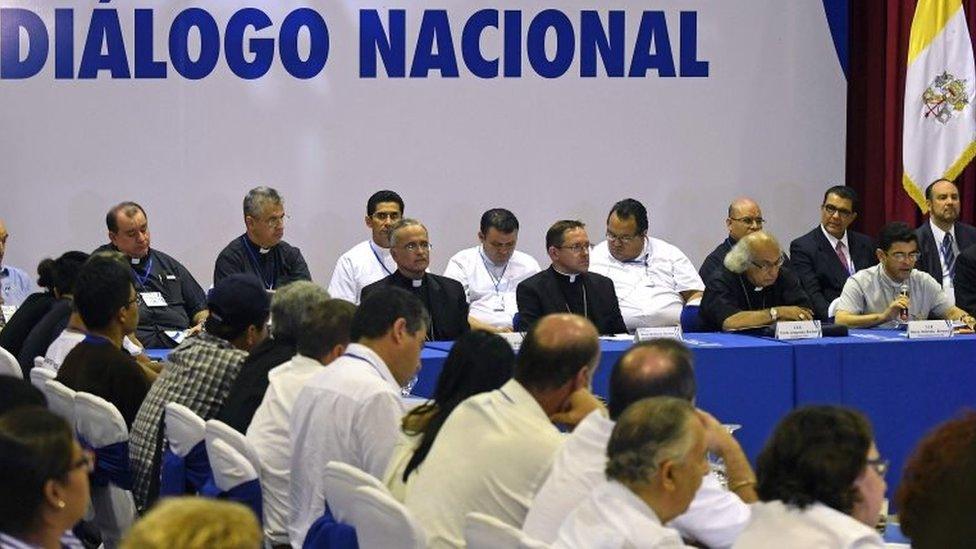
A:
(965, 280)
(567, 286)
(941, 238)
(444, 297)
(745, 217)
(825, 257)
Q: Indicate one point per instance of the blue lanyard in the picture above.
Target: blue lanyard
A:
(378, 260)
(92, 338)
(495, 282)
(145, 277)
(268, 284)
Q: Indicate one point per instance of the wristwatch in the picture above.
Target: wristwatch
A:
(772, 313)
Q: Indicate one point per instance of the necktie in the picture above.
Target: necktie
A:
(949, 255)
(843, 257)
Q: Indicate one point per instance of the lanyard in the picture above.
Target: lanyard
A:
(378, 260)
(93, 338)
(145, 276)
(270, 283)
(495, 282)
(366, 360)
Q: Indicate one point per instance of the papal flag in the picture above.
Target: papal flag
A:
(939, 137)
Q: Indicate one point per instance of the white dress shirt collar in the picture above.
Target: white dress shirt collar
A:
(364, 353)
(834, 240)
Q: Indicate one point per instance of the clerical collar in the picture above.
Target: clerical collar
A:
(571, 277)
(254, 245)
(414, 282)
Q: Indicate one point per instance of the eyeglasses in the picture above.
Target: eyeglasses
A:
(87, 460)
(623, 239)
(902, 256)
(766, 266)
(749, 220)
(414, 247)
(578, 248)
(880, 465)
(277, 221)
(831, 210)
(386, 216)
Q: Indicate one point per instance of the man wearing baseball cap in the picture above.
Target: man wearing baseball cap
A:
(200, 372)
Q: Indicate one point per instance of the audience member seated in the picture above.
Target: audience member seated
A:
(937, 493)
(107, 302)
(655, 464)
(195, 523)
(15, 284)
(43, 479)
(653, 279)
(370, 260)
(744, 217)
(47, 329)
(492, 270)
(495, 449)
(894, 292)
(323, 335)
(351, 410)
(260, 251)
(824, 258)
(17, 393)
(660, 367)
(199, 372)
(943, 236)
(443, 297)
(478, 362)
(567, 286)
(247, 392)
(16, 328)
(821, 483)
(171, 300)
(753, 288)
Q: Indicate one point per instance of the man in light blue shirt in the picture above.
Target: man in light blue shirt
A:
(15, 284)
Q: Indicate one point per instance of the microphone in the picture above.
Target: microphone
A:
(904, 312)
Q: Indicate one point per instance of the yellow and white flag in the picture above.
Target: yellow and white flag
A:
(939, 135)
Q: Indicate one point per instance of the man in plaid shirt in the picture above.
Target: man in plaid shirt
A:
(199, 373)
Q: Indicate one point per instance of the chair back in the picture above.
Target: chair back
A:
(382, 521)
(183, 428)
(483, 531)
(216, 429)
(9, 365)
(234, 476)
(691, 318)
(40, 376)
(185, 467)
(61, 401)
(341, 480)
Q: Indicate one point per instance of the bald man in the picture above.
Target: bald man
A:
(943, 236)
(744, 217)
(495, 448)
(15, 284)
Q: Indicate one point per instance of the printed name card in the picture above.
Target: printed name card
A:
(514, 339)
(798, 329)
(922, 329)
(659, 332)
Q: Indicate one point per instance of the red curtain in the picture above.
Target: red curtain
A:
(879, 31)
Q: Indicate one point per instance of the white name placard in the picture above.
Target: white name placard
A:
(798, 329)
(922, 329)
(658, 332)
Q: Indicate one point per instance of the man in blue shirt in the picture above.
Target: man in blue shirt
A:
(15, 284)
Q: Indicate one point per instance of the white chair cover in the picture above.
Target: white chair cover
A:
(220, 430)
(9, 365)
(184, 429)
(230, 467)
(100, 424)
(40, 376)
(341, 480)
(483, 531)
(381, 521)
(61, 401)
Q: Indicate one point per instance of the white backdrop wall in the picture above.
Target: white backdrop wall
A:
(768, 122)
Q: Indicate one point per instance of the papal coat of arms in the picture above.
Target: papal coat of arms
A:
(945, 96)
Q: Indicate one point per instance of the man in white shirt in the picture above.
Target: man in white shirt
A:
(15, 284)
(351, 410)
(653, 279)
(660, 367)
(655, 463)
(370, 260)
(495, 449)
(322, 337)
(491, 271)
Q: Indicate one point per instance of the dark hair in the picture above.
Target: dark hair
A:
(895, 232)
(102, 288)
(844, 192)
(35, 446)
(814, 455)
(650, 431)
(928, 190)
(376, 314)
(629, 382)
(383, 196)
(478, 362)
(17, 393)
(543, 367)
(555, 234)
(938, 488)
(46, 271)
(66, 268)
(630, 208)
(129, 208)
(324, 325)
(500, 219)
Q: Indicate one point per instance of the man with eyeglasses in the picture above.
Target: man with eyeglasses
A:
(370, 260)
(754, 288)
(895, 291)
(567, 286)
(260, 251)
(491, 271)
(443, 297)
(652, 278)
(744, 217)
(943, 237)
(828, 255)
